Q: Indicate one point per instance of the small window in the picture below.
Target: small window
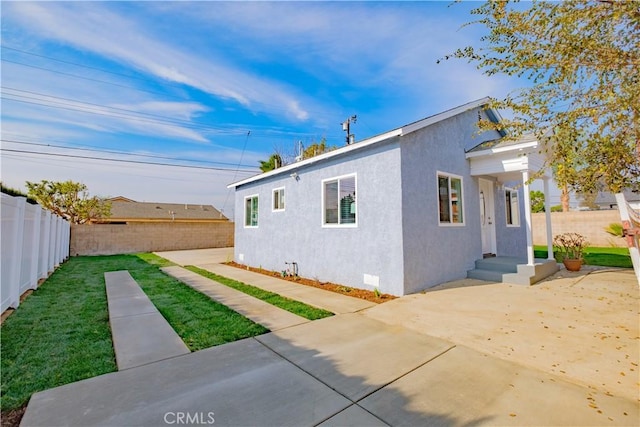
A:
(512, 206)
(251, 211)
(450, 199)
(339, 201)
(278, 199)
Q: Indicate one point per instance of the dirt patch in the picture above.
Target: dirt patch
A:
(13, 417)
(327, 286)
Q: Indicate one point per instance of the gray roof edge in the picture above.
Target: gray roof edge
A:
(401, 131)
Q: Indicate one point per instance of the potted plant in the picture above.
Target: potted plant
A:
(570, 246)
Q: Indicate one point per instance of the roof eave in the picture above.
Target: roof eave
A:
(401, 131)
(505, 149)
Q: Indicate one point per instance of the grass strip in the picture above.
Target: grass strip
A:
(608, 257)
(293, 306)
(200, 321)
(61, 334)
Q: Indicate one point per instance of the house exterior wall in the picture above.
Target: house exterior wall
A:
(510, 241)
(435, 253)
(111, 239)
(330, 254)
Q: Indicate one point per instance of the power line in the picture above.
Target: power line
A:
(236, 173)
(147, 80)
(13, 141)
(128, 161)
(103, 110)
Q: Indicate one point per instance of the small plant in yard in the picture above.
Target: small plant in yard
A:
(615, 229)
(376, 292)
(570, 245)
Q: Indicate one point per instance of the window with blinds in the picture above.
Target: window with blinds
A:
(251, 211)
(339, 201)
(450, 210)
(278, 199)
(512, 206)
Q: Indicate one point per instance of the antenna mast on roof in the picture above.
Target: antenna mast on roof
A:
(346, 126)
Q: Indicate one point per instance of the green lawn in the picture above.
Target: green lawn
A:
(60, 334)
(608, 257)
(295, 307)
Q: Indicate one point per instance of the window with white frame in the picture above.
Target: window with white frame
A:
(512, 206)
(251, 211)
(450, 199)
(339, 201)
(278, 199)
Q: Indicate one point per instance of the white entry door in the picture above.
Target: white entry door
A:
(487, 216)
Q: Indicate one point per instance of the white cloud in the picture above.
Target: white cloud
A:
(94, 27)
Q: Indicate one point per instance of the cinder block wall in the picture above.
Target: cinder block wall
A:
(110, 239)
(590, 224)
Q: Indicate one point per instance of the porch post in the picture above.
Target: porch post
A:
(547, 217)
(527, 217)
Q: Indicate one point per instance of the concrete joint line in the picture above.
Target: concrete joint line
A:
(353, 404)
(154, 361)
(405, 374)
(373, 391)
(306, 372)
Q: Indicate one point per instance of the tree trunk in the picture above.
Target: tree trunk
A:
(564, 198)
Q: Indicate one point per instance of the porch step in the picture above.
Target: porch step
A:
(504, 264)
(488, 275)
(512, 270)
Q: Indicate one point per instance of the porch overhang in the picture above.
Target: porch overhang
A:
(516, 161)
(507, 163)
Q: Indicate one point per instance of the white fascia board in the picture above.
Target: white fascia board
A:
(293, 166)
(370, 141)
(500, 150)
(445, 115)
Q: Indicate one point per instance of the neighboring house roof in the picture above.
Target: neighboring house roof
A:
(401, 131)
(127, 210)
(604, 198)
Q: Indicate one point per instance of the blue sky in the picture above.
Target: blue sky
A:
(216, 86)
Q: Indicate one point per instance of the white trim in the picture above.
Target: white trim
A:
(401, 131)
(506, 217)
(244, 211)
(273, 209)
(503, 149)
(323, 210)
(460, 197)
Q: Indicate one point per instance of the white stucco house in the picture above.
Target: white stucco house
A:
(426, 203)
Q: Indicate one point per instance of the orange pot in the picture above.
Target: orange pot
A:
(572, 264)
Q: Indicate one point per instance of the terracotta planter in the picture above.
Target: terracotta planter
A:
(572, 264)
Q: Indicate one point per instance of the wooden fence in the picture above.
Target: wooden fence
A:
(33, 243)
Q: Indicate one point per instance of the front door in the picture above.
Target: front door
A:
(487, 217)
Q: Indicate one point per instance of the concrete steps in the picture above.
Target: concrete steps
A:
(512, 270)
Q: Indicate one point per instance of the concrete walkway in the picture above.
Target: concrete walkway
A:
(141, 335)
(330, 301)
(263, 313)
(212, 260)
